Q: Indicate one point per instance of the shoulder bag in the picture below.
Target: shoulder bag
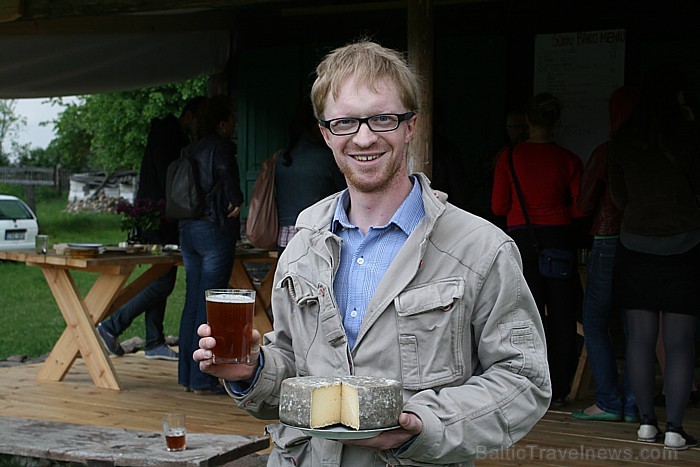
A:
(262, 225)
(184, 196)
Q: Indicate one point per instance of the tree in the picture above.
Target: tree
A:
(10, 125)
(108, 131)
(71, 146)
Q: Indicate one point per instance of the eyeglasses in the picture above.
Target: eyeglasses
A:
(378, 123)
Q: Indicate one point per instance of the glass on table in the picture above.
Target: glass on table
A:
(175, 432)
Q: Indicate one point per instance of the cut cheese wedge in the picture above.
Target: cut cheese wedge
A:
(358, 402)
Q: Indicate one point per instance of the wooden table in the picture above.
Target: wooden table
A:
(98, 445)
(242, 279)
(82, 314)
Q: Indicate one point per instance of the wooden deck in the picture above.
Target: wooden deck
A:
(151, 390)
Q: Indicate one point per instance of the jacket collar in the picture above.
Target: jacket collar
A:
(319, 217)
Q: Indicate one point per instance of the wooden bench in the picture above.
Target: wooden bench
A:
(105, 446)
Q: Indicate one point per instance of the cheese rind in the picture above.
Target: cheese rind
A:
(359, 402)
(370, 402)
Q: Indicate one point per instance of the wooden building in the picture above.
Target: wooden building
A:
(477, 57)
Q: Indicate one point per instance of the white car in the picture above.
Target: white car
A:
(18, 224)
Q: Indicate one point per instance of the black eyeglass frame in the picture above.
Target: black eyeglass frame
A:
(399, 118)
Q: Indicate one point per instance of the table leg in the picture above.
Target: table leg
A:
(80, 335)
(136, 286)
(265, 289)
(240, 279)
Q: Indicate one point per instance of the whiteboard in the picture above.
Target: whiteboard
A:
(581, 69)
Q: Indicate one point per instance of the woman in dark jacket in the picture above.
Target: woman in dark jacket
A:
(305, 172)
(209, 243)
(654, 180)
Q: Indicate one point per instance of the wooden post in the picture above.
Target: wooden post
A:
(29, 196)
(420, 55)
(57, 180)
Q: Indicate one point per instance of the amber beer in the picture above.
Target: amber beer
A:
(175, 432)
(175, 441)
(230, 316)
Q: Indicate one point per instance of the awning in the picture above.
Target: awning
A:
(66, 65)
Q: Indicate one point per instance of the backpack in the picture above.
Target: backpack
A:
(262, 225)
(183, 194)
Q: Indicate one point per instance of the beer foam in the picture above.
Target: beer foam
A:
(229, 298)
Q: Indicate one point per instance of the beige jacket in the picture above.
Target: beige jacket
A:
(452, 319)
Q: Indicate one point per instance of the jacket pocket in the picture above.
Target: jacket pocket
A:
(525, 343)
(291, 447)
(431, 328)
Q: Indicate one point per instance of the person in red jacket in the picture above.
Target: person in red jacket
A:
(549, 176)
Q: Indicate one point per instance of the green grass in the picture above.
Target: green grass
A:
(30, 321)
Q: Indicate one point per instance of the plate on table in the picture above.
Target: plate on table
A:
(85, 246)
(340, 432)
(85, 250)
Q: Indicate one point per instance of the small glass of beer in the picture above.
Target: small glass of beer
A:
(230, 316)
(175, 432)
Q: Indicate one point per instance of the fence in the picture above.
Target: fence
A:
(35, 176)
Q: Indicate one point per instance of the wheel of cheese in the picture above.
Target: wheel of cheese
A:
(359, 402)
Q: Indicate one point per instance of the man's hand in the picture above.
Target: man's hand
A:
(227, 371)
(411, 426)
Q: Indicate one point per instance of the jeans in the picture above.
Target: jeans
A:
(152, 301)
(597, 307)
(208, 253)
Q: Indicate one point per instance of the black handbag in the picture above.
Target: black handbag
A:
(553, 263)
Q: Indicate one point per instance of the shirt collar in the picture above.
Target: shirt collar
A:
(406, 217)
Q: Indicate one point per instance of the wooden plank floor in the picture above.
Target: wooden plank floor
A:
(151, 390)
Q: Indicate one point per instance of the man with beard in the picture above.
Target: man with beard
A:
(388, 279)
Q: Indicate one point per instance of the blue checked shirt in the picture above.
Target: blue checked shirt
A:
(365, 258)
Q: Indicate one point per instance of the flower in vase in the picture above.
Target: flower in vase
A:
(144, 215)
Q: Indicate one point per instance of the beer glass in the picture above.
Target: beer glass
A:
(41, 243)
(230, 316)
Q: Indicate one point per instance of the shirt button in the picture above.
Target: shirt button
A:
(353, 313)
(360, 261)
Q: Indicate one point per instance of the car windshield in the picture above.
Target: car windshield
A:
(11, 209)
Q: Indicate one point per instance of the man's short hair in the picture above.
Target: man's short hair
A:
(367, 63)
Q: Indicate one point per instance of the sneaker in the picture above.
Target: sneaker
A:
(110, 342)
(162, 352)
(648, 431)
(678, 440)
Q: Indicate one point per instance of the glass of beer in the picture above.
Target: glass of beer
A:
(175, 432)
(230, 316)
